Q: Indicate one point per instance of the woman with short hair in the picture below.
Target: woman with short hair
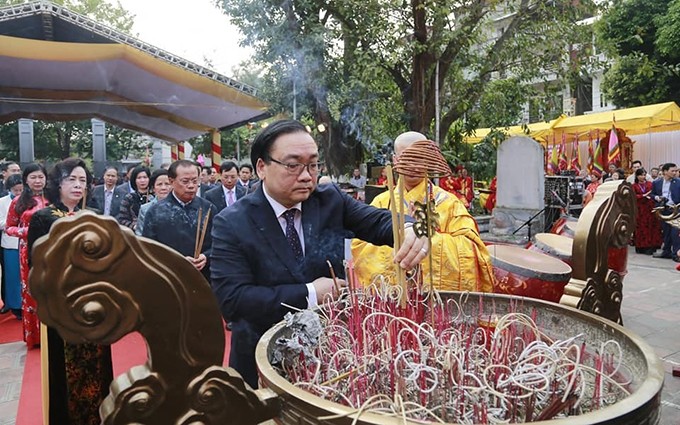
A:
(141, 194)
(79, 374)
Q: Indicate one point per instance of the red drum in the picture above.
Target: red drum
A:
(617, 259)
(526, 273)
(569, 229)
(564, 226)
(554, 245)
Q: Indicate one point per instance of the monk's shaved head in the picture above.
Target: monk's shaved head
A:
(405, 140)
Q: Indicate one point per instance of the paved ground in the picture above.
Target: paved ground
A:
(12, 357)
(651, 309)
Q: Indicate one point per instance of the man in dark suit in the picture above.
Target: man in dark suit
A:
(106, 197)
(227, 193)
(666, 192)
(245, 174)
(174, 220)
(126, 186)
(270, 248)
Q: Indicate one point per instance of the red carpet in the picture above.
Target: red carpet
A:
(129, 351)
(10, 329)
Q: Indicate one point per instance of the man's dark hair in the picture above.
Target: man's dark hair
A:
(265, 139)
(248, 166)
(12, 181)
(667, 166)
(61, 171)
(137, 171)
(5, 165)
(172, 171)
(227, 166)
(207, 168)
(637, 161)
(110, 167)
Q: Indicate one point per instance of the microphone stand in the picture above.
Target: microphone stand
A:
(529, 222)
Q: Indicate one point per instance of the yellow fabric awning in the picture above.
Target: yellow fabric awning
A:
(639, 120)
(539, 131)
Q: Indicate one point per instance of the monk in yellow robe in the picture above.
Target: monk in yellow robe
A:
(460, 260)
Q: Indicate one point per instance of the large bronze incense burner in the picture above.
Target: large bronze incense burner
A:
(643, 369)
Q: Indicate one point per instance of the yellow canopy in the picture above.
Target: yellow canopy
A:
(539, 131)
(639, 120)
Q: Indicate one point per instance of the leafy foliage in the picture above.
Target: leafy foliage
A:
(642, 38)
(371, 69)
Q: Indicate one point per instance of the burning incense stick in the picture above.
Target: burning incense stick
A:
(335, 279)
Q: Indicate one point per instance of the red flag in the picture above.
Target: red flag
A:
(591, 152)
(563, 163)
(575, 163)
(614, 151)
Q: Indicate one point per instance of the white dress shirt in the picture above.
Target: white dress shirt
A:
(278, 212)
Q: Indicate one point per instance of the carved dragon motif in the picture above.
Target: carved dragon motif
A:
(599, 255)
(94, 281)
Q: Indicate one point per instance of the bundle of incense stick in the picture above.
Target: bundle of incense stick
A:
(470, 365)
(201, 228)
(397, 228)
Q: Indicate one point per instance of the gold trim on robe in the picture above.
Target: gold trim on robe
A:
(460, 260)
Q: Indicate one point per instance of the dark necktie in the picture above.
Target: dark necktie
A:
(292, 235)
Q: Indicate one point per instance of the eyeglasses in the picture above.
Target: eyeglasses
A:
(296, 168)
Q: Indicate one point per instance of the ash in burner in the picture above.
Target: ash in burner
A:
(304, 329)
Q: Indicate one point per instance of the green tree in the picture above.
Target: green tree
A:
(109, 13)
(641, 38)
(371, 69)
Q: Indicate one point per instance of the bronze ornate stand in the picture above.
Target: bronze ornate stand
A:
(94, 281)
(599, 255)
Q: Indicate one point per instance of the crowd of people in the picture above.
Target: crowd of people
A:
(660, 188)
(268, 235)
(266, 245)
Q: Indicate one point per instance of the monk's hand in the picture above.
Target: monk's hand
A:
(413, 250)
(198, 262)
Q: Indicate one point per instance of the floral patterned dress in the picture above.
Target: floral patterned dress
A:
(17, 225)
(79, 375)
(648, 230)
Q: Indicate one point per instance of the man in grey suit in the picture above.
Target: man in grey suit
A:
(107, 196)
(228, 192)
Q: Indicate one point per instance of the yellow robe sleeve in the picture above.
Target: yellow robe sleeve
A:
(460, 260)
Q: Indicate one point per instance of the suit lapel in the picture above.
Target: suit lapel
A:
(310, 223)
(221, 201)
(270, 232)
